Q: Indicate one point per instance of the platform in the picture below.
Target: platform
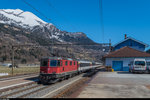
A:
(117, 85)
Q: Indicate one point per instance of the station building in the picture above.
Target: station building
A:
(124, 52)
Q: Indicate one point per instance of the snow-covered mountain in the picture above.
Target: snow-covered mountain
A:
(28, 20)
(39, 29)
(23, 27)
(19, 17)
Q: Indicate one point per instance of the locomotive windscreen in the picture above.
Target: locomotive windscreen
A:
(54, 63)
(44, 62)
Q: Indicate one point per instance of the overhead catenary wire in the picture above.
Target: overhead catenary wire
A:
(36, 10)
(64, 18)
(44, 17)
(58, 12)
(41, 15)
(101, 18)
(101, 13)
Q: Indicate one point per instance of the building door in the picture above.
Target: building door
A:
(117, 65)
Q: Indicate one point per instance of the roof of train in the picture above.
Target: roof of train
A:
(58, 58)
(62, 58)
(81, 61)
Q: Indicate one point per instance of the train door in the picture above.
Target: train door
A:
(59, 64)
(71, 66)
(75, 65)
(78, 66)
(63, 66)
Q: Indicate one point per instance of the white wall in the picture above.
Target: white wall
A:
(126, 61)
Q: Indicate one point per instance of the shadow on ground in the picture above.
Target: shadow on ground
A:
(125, 72)
(32, 79)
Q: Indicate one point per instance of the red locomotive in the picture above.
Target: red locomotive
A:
(53, 69)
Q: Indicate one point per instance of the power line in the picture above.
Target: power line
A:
(36, 10)
(101, 18)
(57, 44)
(42, 15)
(50, 4)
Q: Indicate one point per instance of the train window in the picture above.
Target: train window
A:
(74, 63)
(58, 63)
(70, 63)
(84, 64)
(53, 63)
(44, 62)
(66, 63)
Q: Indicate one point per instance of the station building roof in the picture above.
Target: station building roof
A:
(127, 52)
(146, 45)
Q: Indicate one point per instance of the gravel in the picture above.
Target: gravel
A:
(51, 88)
(25, 92)
(17, 90)
(36, 90)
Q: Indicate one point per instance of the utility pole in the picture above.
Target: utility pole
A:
(109, 45)
(12, 60)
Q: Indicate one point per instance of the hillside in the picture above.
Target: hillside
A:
(19, 27)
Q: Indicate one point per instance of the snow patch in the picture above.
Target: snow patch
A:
(22, 18)
(14, 11)
(3, 74)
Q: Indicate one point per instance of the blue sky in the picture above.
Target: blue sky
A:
(131, 17)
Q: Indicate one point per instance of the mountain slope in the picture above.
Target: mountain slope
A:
(20, 27)
(28, 20)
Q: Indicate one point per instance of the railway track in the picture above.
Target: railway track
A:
(18, 76)
(34, 90)
(76, 85)
(53, 89)
(16, 91)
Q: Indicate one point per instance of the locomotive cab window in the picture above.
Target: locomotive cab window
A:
(53, 63)
(74, 63)
(44, 62)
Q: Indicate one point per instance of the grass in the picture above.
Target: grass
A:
(20, 70)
